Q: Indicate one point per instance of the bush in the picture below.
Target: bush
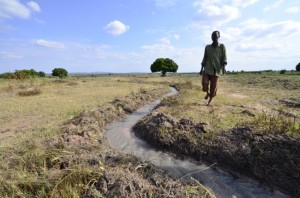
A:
(60, 72)
(42, 74)
(30, 92)
(8, 75)
(282, 71)
(24, 74)
(298, 67)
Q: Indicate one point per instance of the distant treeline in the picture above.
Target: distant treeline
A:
(284, 71)
(27, 74)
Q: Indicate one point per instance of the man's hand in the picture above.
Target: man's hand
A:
(223, 68)
(201, 72)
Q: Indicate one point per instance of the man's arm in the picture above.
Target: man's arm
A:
(203, 61)
(224, 59)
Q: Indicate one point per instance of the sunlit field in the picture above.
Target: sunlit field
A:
(33, 111)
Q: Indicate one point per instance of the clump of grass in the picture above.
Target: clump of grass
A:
(275, 123)
(38, 173)
(30, 92)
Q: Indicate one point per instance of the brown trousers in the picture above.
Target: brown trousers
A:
(210, 84)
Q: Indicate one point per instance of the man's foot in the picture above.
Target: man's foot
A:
(206, 97)
(209, 101)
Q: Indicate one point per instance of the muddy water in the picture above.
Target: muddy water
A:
(121, 137)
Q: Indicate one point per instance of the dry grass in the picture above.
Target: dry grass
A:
(60, 100)
(30, 91)
(240, 99)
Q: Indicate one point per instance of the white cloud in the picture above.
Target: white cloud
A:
(116, 28)
(165, 40)
(243, 3)
(51, 44)
(176, 37)
(214, 13)
(163, 47)
(34, 6)
(9, 55)
(13, 8)
(257, 29)
(292, 10)
(165, 3)
(256, 47)
(274, 5)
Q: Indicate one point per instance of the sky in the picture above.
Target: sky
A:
(124, 36)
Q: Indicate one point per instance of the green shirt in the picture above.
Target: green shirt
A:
(213, 60)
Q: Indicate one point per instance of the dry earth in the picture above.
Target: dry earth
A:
(273, 160)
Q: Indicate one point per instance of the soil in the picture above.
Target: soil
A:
(272, 160)
(123, 175)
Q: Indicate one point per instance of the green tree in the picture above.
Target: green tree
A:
(60, 72)
(41, 74)
(25, 73)
(164, 65)
(298, 67)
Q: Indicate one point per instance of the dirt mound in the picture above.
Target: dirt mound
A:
(291, 102)
(90, 124)
(273, 160)
(123, 175)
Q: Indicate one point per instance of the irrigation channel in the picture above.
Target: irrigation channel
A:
(121, 137)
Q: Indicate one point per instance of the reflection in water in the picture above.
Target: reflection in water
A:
(121, 137)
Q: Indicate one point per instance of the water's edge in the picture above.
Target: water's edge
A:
(121, 137)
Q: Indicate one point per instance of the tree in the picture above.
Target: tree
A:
(60, 72)
(298, 67)
(25, 73)
(41, 74)
(164, 65)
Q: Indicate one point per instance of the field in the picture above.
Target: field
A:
(47, 150)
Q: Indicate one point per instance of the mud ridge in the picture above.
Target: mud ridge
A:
(122, 175)
(272, 160)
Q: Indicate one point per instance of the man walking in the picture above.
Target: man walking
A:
(213, 65)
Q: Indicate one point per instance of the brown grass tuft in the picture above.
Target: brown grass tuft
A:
(30, 92)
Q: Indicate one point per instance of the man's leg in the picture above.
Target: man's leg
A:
(213, 87)
(205, 84)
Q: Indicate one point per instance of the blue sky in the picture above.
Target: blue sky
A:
(128, 35)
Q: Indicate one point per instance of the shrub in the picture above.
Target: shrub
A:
(24, 74)
(298, 67)
(282, 71)
(8, 75)
(60, 72)
(30, 92)
(42, 74)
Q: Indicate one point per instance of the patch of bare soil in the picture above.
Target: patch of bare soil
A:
(123, 175)
(273, 160)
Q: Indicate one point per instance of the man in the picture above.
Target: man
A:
(213, 63)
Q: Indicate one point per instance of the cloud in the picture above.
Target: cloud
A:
(165, 3)
(116, 28)
(50, 44)
(9, 55)
(274, 5)
(292, 10)
(243, 3)
(163, 47)
(256, 47)
(257, 29)
(212, 13)
(176, 37)
(13, 8)
(34, 6)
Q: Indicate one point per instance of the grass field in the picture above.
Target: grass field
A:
(32, 112)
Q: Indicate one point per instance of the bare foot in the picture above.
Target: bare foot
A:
(209, 101)
(206, 97)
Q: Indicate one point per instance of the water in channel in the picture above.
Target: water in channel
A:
(121, 137)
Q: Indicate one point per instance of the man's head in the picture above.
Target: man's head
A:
(215, 36)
